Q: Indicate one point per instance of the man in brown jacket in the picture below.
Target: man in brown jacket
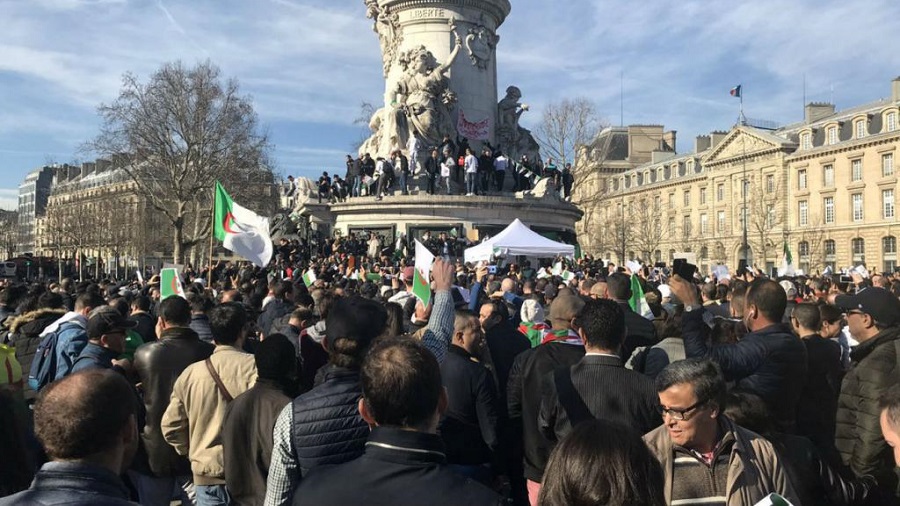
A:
(249, 421)
(193, 421)
(705, 457)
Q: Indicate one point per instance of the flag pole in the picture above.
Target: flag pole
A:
(212, 232)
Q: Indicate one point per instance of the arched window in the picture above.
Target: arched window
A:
(704, 252)
(889, 253)
(858, 248)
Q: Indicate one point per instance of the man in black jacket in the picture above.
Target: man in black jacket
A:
(432, 170)
(598, 386)
(469, 425)
(504, 342)
(562, 348)
(873, 316)
(770, 361)
(404, 462)
(282, 304)
(641, 331)
(146, 323)
(157, 365)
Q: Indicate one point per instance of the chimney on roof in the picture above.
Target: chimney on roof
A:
(668, 141)
(702, 143)
(717, 137)
(895, 90)
(818, 110)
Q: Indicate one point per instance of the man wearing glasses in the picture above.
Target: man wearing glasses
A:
(706, 458)
(873, 317)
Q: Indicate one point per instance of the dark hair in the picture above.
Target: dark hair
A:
(175, 311)
(708, 290)
(890, 401)
(769, 299)
(84, 413)
(50, 300)
(394, 323)
(619, 286)
(89, 299)
(141, 303)
(601, 462)
(749, 411)
(401, 383)
(830, 313)
(283, 289)
(226, 321)
(199, 303)
(352, 324)
(808, 315)
(603, 322)
(704, 375)
(276, 358)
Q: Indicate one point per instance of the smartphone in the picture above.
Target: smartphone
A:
(492, 269)
(845, 279)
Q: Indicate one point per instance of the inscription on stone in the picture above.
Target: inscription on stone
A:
(427, 13)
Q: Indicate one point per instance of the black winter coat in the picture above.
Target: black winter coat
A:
(770, 363)
(858, 433)
(273, 311)
(524, 397)
(505, 343)
(25, 334)
(327, 426)
(469, 427)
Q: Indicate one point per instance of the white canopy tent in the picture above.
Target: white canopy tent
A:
(518, 239)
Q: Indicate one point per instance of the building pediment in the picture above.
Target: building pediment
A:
(746, 142)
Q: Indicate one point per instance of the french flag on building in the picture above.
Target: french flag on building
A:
(736, 91)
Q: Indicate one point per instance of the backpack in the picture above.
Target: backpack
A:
(44, 363)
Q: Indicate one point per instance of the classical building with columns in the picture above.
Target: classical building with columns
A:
(825, 186)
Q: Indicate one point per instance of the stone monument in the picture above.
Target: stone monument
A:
(440, 70)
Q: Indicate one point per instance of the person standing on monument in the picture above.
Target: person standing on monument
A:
(413, 146)
(471, 164)
(500, 165)
(485, 169)
(354, 171)
(432, 170)
(401, 163)
(448, 165)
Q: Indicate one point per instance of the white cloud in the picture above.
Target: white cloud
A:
(9, 198)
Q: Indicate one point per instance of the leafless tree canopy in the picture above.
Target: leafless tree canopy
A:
(565, 125)
(9, 226)
(178, 133)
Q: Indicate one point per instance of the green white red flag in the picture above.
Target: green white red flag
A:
(241, 230)
(421, 286)
(309, 277)
(170, 283)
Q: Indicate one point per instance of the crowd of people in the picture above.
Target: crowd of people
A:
(512, 385)
(439, 170)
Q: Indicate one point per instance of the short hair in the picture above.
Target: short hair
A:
(141, 303)
(84, 413)
(462, 320)
(401, 383)
(601, 462)
(89, 299)
(708, 290)
(175, 311)
(769, 298)
(890, 401)
(50, 300)
(587, 284)
(352, 324)
(749, 411)
(808, 315)
(199, 303)
(227, 321)
(283, 289)
(830, 313)
(619, 286)
(704, 375)
(603, 322)
(301, 313)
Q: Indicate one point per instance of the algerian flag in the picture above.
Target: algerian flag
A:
(421, 287)
(568, 275)
(557, 269)
(170, 283)
(309, 277)
(241, 231)
(787, 262)
(637, 301)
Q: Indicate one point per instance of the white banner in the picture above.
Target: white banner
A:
(478, 131)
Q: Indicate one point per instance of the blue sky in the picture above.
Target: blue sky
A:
(309, 64)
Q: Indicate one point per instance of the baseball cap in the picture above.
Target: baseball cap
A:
(878, 303)
(565, 307)
(106, 320)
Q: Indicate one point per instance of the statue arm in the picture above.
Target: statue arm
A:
(446, 66)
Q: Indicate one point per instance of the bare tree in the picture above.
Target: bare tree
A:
(567, 124)
(366, 111)
(765, 214)
(814, 237)
(179, 133)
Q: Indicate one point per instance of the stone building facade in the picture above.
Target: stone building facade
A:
(825, 186)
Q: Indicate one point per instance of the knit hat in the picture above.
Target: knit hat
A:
(276, 358)
(532, 311)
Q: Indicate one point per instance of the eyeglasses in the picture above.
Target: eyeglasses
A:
(854, 311)
(680, 414)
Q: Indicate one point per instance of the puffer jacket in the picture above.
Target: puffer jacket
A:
(769, 362)
(327, 426)
(273, 311)
(25, 335)
(858, 431)
(754, 468)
